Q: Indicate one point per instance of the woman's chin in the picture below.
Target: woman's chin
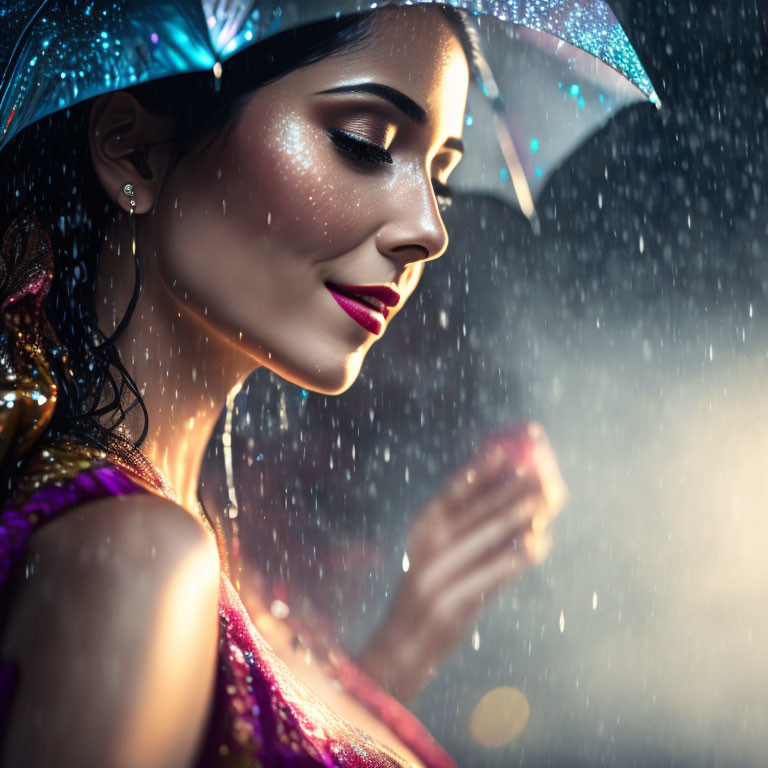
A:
(326, 377)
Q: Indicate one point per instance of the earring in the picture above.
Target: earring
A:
(130, 193)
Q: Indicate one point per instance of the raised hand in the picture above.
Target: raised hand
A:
(485, 527)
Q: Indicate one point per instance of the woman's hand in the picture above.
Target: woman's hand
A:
(485, 527)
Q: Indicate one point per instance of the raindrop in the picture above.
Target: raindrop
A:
(406, 563)
(476, 640)
(594, 601)
(279, 609)
(562, 621)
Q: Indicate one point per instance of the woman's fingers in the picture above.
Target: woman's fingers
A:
(485, 470)
(485, 523)
(498, 500)
(460, 602)
(496, 533)
(463, 504)
(509, 467)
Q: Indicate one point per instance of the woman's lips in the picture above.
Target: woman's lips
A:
(367, 305)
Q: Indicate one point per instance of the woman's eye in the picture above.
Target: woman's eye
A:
(443, 194)
(359, 148)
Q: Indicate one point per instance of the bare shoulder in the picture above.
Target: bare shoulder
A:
(114, 549)
(117, 607)
(132, 524)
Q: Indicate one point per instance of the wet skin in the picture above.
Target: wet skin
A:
(239, 240)
(251, 231)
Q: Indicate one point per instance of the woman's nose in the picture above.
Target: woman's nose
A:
(415, 230)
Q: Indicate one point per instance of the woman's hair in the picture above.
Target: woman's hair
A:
(46, 170)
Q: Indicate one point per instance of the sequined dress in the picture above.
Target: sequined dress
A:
(261, 715)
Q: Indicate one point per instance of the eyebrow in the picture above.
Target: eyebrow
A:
(397, 98)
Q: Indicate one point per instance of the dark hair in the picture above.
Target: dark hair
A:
(42, 171)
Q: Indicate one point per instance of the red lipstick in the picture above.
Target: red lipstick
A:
(367, 305)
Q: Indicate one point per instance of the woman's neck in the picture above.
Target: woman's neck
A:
(183, 372)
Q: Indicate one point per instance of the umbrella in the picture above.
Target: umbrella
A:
(552, 72)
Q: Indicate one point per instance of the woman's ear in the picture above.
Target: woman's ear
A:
(129, 145)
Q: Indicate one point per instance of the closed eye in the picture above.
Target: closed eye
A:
(366, 151)
(358, 148)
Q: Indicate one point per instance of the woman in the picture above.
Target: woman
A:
(281, 223)
(127, 583)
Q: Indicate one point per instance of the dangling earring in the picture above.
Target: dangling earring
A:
(130, 193)
(109, 355)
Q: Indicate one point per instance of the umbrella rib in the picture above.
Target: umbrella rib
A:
(516, 172)
(11, 59)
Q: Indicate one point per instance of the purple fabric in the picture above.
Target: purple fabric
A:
(19, 520)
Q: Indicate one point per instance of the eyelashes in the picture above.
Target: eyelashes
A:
(368, 152)
(359, 148)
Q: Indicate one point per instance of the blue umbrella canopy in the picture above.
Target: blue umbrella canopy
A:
(552, 71)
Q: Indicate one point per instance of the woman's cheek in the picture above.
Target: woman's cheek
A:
(318, 209)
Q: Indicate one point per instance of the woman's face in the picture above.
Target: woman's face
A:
(303, 230)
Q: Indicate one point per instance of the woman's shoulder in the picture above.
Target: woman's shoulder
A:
(118, 601)
(126, 549)
(70, 490)
(130, 524)
(106, 540)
